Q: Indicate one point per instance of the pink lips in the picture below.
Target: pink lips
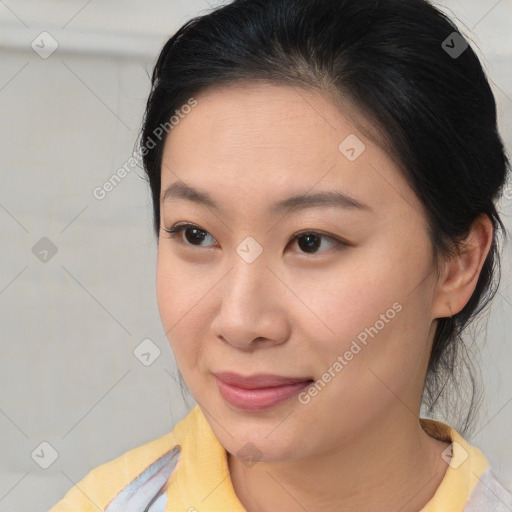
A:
(260, 391)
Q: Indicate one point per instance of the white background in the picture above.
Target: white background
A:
(68, 327)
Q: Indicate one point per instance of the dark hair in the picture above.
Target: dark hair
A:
(399, 63)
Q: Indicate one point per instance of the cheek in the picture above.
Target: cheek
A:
(168, 284)
(179, 305)
(351, 296)
(181, 288)
(365, 310)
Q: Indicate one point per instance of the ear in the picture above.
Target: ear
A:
(460, 275)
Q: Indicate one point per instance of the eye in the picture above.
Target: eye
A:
(312, 240)
(196, 237)
(308, 241)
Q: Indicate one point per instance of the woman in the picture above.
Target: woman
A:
(324, 176)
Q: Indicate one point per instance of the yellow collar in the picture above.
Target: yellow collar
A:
(466, 466)
(202, 480)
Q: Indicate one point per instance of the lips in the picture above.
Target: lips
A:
(258, 392)
(258, 381)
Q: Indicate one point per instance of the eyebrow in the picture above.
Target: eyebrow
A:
(331, 198)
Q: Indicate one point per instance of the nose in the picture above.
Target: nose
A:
(252, 311)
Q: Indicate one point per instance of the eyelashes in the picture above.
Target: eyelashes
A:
(177, 230)
(310, 236)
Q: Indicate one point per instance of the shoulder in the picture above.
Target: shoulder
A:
(131, 481)
(489, 495)
(470, 484)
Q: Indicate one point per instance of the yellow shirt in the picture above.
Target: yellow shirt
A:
(158, 477)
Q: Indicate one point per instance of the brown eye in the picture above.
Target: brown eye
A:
(310, 241)
(194, 235)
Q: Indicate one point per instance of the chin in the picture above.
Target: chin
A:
(253, 449)
(258, 439)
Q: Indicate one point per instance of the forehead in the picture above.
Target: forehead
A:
(273, 141)
(265, 120)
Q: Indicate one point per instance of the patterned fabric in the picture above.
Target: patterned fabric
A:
(146, 492)
(489, 495)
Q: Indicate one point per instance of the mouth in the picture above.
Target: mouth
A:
(258, 392)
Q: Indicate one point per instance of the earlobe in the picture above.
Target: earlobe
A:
(460, 278)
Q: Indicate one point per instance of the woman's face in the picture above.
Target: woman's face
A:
(348, 304)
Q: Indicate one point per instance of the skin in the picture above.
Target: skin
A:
(358, 444)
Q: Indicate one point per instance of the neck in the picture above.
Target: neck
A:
(373, 470)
